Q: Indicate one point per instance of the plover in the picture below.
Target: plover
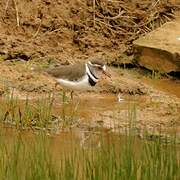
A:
(80, 76)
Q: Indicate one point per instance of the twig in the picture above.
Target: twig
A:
(7, 4)
(167, 18)
(147, 29)
(116, 17)
(56, 30)
(154, 4)
(110, 27)
(94, 13)
(17, 12)
(36, 33)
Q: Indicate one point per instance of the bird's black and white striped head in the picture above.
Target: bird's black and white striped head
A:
(95, 70)
(97, 65)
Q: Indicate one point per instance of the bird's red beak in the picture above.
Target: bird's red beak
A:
(106, 73)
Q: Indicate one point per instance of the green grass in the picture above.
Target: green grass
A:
(117, 157)
(36, 114)
(25, 114)
(121, 158)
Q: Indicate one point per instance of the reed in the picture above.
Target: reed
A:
(116, 156)
(114, 160)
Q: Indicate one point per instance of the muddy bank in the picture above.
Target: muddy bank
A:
(152, 103)
(149, 105)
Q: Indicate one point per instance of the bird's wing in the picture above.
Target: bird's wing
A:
(70, 72)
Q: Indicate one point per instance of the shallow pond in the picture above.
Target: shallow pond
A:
(29, 155)
(155, 113)
(96, 136)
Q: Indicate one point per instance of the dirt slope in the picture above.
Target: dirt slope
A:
(53, 29)
(70, 30)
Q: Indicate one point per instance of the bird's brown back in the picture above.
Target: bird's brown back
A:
(70, 72)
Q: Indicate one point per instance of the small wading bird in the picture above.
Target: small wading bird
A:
(79, 77)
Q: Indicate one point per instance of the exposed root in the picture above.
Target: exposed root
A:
(17, 13)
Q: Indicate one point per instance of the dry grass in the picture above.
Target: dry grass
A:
(129, 19)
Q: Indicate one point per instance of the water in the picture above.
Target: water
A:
(165, 85)
(93, 137)
(29, 155)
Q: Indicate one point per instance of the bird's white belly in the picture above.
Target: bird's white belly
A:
(82, 84)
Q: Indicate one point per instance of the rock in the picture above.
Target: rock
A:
(160, 49)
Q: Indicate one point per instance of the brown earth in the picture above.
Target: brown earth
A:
(39, 33)
(60, 30)
(70, 30)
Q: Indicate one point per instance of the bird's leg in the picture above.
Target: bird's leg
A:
(64, 96)
(55, 86)
(54, 90)
(71, 95)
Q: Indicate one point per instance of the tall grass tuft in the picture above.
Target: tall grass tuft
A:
(37, 114)
(118, 158)
(24, 114)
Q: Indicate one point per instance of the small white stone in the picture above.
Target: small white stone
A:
(178, 38)
(119, 98)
